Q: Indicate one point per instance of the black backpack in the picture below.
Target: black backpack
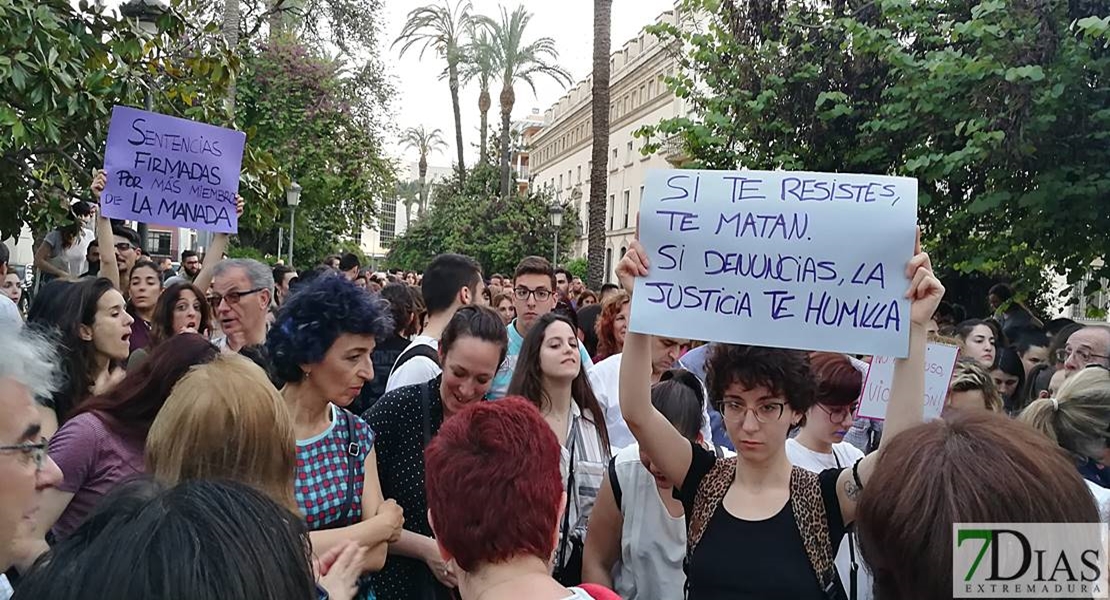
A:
(417, 350)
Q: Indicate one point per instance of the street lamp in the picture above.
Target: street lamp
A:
(147, 12)
(556, 213)
(292, 198)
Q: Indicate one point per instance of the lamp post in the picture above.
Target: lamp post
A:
(292, 198)
(556, 213)
(147, 12)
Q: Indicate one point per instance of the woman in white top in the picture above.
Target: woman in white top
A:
(550, 374)
(62, 253)
(820, 445)
(1078, 419)
(637, 536)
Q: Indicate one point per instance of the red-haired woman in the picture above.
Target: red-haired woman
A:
(612, 325)
(820, 445)
(495, 516)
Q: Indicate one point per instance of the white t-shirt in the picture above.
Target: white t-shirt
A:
(417, 369)
(847, 454)
(1102, 498)
(72, 259)
(605, 381)
(9, 314)
(6, 590)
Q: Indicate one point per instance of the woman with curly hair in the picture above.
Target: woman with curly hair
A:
(320, 346)
(612, 325)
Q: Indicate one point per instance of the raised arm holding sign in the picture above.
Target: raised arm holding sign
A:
(791, 260)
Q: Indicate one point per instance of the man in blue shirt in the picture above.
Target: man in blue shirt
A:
(533, 297)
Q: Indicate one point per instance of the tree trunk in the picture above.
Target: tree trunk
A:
(599, 174)
(453, 78)
(484, 103)
(508, 98)
(423, 166)
(230, 30)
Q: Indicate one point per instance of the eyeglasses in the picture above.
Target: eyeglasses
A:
(1084, 356)
(541, 294)
(764, 413)
(232, 298)
(35, 450)
(837, 415)
(123, 246)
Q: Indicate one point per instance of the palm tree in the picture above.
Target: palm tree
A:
(519, 61)
(479, 57)
(424, 142)
(441, 28)
(595, 253)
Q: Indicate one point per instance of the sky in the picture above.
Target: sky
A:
(422, 99)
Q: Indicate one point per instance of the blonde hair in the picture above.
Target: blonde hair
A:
(968, 375)
(1078, 417)
(225, 420)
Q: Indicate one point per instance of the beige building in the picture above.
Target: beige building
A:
(561, 150)
(393, 217)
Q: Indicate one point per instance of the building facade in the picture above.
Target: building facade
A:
(561, 150)
(393, 212)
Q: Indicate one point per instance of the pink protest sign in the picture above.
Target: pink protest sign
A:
(170, 171)
(940, 359)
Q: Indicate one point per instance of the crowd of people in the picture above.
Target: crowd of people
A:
(236, 430)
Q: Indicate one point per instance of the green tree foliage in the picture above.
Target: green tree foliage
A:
(1001, 110)
(63, 65)
(324, 129)
(470, 218)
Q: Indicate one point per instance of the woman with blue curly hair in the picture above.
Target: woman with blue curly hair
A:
(320, 346)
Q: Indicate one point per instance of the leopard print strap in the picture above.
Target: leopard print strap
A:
(709, 496)
(813, 525)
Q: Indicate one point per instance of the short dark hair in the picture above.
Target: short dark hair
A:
(497, 275)
(187, 254)
(5, 254)
(131, 235)
(280, 271)
(535, 265)
(349, 261)
(93, 243)
(312, 319)
(1030, 338)
(401, 306)
(446, 275)
(994, 470)
(785, 372)
(605, 287)
(680, 397)
(564, 272)
(1003, 291)
(129, 548)
(478, 322)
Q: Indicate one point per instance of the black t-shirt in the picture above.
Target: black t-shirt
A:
(384, 355)
(398, 423)
(764, 560)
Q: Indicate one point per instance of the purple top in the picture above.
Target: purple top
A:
(140, 334)
(94, 460)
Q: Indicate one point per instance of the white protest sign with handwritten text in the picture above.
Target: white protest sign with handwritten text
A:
(940, 360)
(812, 261)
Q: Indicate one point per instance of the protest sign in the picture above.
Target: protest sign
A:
(812, 261)
(171, 171)
(940, 360)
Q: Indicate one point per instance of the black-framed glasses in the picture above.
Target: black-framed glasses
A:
(232, 298)
(35, 450)
(838, 414)
(541, 294)
(1084, 355)
(764, 413)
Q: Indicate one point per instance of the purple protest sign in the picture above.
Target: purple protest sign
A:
(170, 171)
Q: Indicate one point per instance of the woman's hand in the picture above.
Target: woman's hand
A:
(926, 291)
(439, 567)
(100, 179)
(239, 204)
(338, 570)
(395, 517)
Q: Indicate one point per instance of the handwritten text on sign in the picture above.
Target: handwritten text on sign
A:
(811, 261)
(940, 360)
(171, 171)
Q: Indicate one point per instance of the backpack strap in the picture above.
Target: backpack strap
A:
(813, 525)
(417, 350)
(614, 482)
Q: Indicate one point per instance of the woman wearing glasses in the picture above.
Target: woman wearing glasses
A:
(820, 444)
(758, 527)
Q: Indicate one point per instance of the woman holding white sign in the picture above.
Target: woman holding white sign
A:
(757, 526)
